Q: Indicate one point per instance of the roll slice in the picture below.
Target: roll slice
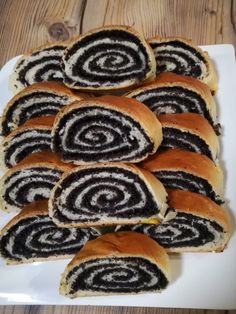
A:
(31, 180)
(191, 132)
(180, 56)
(106, 194)
(188, 171)
(172, 93)
(116, 263)
(108, 58)
(108, 128)
(199, 226)
(32, 236)
(38, 100)
(33, 137)
(39, 65)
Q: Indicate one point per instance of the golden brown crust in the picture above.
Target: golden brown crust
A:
(195, 124)
(119, 244)
(199, 205)
(171, 79)
(128, 106)
(154, 185)
(150, 75)
(211, 79)
(193, 163)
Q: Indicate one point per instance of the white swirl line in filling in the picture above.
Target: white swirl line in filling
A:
(161, 50)
(73, 59)
(37, 227)
(27, 176)
(117, 266)
(65, 195)
(182, 141)
(135, 133)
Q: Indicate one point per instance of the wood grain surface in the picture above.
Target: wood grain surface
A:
(26, 24)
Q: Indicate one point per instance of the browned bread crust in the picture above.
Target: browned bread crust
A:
(119, 244)
(193, 163)
(168, 79)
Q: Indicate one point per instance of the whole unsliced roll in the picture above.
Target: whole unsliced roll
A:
(172, 93)
(189, 131)
(199, 226)
(108, 128)
(33, 137)
(116, 263)
(180, 56)
(31, 180)
(106, 194)
(39, 65)
(108, 58)
(188, 171)
(38, 100)
(32, 236)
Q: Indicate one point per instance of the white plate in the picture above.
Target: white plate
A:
(201, 280)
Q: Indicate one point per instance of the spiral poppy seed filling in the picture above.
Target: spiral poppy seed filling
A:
(41, 66)
(30, 184)
(102, 194)
(33, 105)
(174, 138)
(180, 58)
(116, 274)
(106, 58)
(187, 182)
(94, 134)
(185, 230)
(176, 99)
(25, 143)
(38, 237)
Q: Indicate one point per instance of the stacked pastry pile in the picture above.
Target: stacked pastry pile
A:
(145, 162)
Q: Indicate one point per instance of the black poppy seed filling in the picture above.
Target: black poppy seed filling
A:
(186, 181)
(44, 226)
(30, 112)
(115, 155)
(122, 285)
(44, 181)
(162, 233)
(177, 97)
(111, 208)
(35, 146)
(174, 138)
(119, 35)
(195, 70)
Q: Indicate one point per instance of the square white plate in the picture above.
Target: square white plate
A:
(201, 280)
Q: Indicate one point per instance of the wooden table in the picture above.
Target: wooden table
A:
(25, 24)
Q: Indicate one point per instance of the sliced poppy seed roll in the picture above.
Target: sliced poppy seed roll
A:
(188, 171)
(107, 194)
(38, 100)
(172, 93)
(31, 180)
(180, 56)
(199, 226)
(33, 137)
(189, 131)
(39, 65)
(117, 263)
(32, 236)
(108, 128)
(108, 58)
